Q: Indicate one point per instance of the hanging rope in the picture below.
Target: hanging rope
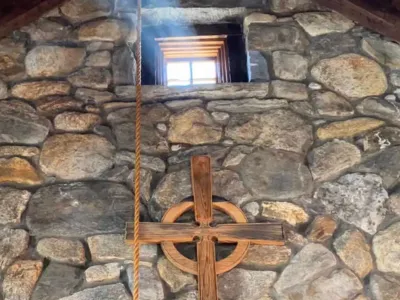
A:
(136, 242)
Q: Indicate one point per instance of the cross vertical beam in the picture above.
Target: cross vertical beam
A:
(202, 193)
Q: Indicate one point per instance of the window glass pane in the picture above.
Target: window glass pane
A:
(204, 81)
(204, 69)
(178, 73)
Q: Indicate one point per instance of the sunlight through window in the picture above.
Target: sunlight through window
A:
(191, 72)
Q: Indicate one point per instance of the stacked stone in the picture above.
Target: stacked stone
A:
(315, 143)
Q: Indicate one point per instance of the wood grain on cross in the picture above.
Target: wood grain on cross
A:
(206, 267)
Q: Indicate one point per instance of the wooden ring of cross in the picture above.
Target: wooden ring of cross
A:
(190, 266)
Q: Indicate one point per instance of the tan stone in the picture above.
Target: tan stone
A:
(63, 251)
(194, 126)
(174, 277)
(76, 122)
(47, 61)
(18, 171)
(284, 211)
(103, 274)
(320, 23)
(76, 156)
(110, 247)
(12, 204)
(19, 151)
(53, 105)
(12, 54)
(84, 10)
(38, 89)
(47, 30)
(266, 257)
(322, 229)
(20, 279)
(351, 75)
(109, 30)
(386, 247)
(354, 251)
(348, 128)
(258, 18)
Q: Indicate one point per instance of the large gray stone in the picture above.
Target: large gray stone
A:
(103, 273)
(84, 10)
(109, 247)
(75, 156)
(331, 45)
(12, 55)
(123, 66)
(395, 78)
(332, 159)
(355, 252)
(57, 281)
(290, 6)
(48, 61)
(207, 92)
(105, 292)
(246, 105)
(351, 75)
(289, 65)
(98, 59)
(173, 188)
(151, 114)
(275, 175)
(386, 164)
(53, 105)
(216, 152)
(79, 209)
(96, 78)
(38, 89)
(268, 38)
(310, 263)
(289, 90)
(257, 67)
(386, 52)
(150, 283)
(174, 277)
(46, 30)
(279, 129)
(12, 204)
(19, 124)
(320, 23)
(194, 15)
(152, 163)
(356, 199)
(339, 285)
(76, 122)
(384, 287)
(106, 30)
(62, 250)
(329, 104)
(241, 284)
(194, 126)
(152, 141)
(376, 107)
(20, 279)
(228, 185)
(236, 155)
(265, 257)
(13, 243)
(93, 96)
(386, 247)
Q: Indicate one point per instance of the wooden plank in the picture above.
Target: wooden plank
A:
(202, 189)
(156, 233)
(198, 55)
(258, 233)
(207, 275)
(18, 13)
(384, 22)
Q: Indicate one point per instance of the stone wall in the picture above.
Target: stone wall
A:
(313, 142)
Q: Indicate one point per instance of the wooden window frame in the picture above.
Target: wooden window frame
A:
(191, 48)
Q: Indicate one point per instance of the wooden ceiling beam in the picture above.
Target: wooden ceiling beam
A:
(386, 22)
(15, 14)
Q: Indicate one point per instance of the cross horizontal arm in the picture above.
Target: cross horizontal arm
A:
(258, 233)
(156, 233)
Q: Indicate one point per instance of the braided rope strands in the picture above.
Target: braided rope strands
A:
(136, 242)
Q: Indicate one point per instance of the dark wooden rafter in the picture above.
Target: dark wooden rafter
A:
(15, 14)
(382, 16)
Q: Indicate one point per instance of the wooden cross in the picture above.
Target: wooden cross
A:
(206, 267)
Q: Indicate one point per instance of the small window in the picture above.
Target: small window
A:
(176, 55)
(191, 72)
(192, 60)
